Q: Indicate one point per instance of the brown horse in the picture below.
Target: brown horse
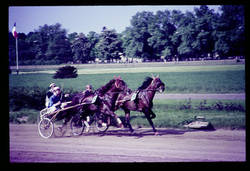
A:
(105, 102)
(143, 101)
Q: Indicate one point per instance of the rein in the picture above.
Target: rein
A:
(151, 89)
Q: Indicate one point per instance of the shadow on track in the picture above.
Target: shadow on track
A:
(140, 132)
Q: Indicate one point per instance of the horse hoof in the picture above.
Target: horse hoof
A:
(133, 133)
(87, 129)
(120, 126)
(157, 133)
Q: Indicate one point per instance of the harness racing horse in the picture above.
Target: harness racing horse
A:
(143, 102)
(105, 100)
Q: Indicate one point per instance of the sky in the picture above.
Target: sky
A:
(83, 19)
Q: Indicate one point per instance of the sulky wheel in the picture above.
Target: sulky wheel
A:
(45, 128)
(77, 125)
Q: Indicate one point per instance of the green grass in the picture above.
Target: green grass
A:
(232, 81)
(196, 68)
(140, 67)
(169, 114)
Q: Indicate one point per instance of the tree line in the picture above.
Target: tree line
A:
(165, 35)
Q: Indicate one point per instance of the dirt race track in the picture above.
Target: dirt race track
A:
(118, 145)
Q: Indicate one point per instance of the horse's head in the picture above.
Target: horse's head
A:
(119, 84)
(157, 84)
(115, 85)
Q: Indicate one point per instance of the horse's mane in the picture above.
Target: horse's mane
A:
(102, 90)
(146, 83)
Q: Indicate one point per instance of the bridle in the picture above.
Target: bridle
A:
(157, 89)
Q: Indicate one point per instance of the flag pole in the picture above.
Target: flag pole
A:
(17, 70)
(15, 34)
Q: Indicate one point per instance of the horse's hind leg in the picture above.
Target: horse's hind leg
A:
(152, 114)
(127, 120)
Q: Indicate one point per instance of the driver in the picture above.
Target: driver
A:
(88, 91)
(49, 94)
(55, 103)
(55, 99)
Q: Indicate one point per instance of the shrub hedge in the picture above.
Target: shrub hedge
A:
(66, 72)
(29, 97)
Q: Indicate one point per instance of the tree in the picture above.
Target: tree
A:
(23, 49)
(81, 48)
(59, 49)
(12, 49)
(93, 38)
(25, 54)
(135, 39)
(72, 37)
(187, 33)
(128, 43)
(140, 34)
(149, 36)
(204, 42)
(35, 53)
(109, 45)
(51, 44)
(161, 30)
(230, 31)
(177, 18)
(220, 36)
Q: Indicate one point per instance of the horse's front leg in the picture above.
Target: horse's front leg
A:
(152, 114)
(112, 114)
(118, 120)
(127, 120)
(147, 114)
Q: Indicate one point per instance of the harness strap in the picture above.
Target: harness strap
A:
(70, 107)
